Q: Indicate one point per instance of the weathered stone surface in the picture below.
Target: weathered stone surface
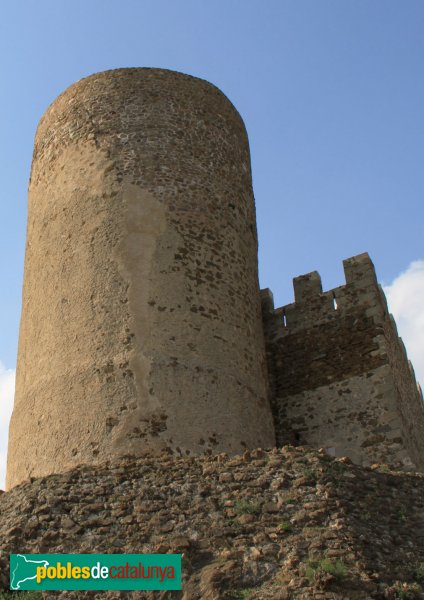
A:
(142, 344)
(339, 373)
(141, 325)
(370, 521)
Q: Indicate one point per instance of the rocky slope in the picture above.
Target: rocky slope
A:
(290, 523)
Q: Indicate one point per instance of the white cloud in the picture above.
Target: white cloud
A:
(405, 297)
(7, 391)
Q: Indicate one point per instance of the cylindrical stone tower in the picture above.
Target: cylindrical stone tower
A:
(141, 327)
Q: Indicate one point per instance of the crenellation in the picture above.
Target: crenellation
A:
(267, 300)
(337, 347)
(307, 286)
(359, 271)
(313, 306)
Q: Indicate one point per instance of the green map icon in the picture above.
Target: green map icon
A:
(23, 570)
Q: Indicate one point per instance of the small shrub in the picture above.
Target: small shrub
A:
(335, 568)
(405, 591)
(239, 594)
(234, 523)
(247, 507)
(30, 595)
(309, 474)
(401, 515)
(245, 593)
(419, 573)
(338, 569)
(285, 526)
(313, 530)
(310, 571)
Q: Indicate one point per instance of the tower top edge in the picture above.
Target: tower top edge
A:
(133, 75)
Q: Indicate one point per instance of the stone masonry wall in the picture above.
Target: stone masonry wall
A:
(256, 526)
(141, 320)
(339, 374)
(411, 406)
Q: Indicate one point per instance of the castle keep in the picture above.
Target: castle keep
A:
(141, 328)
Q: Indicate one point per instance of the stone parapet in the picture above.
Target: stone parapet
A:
(339, 374)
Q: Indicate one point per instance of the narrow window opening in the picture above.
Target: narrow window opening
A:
(335, 305)
(284, 318)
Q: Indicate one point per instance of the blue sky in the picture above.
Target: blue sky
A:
(331, 92)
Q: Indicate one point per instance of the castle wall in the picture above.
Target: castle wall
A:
(411, 406)
(339, 375)
(141, 326)
(248, 522)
